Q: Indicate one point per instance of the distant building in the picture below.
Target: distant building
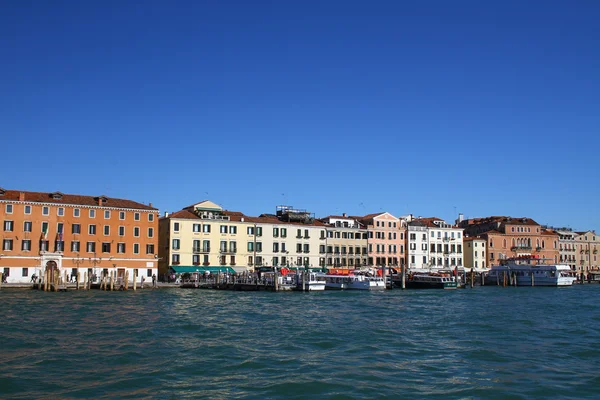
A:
(509, 237)
(205, 237)
(76, 233)
(474, 252)
(345, 243)
(386, 241)
(434, 243)
(587, 245)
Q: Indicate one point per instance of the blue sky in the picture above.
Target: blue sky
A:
(430, 108)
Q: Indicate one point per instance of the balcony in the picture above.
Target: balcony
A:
(230, 251)
(538, 248)
(515, 248)
(197, 250)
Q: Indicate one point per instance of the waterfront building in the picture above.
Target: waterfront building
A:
(76, 233)
(205, 237)
(586, 251)
(386, 239)
(345, 243)
(434, 243)
(566, 246)
(474, 248)
(509, 237)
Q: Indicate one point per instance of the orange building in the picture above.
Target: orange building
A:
(93, 234)
(508, 237)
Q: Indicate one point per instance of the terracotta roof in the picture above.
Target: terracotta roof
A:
(549, 233)
(74, 199)
(502, 219)
(429, 222)
(471, 238)
(184, 214)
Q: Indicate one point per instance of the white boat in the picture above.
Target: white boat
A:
(310, 282)
(524, 270)
(354, 282)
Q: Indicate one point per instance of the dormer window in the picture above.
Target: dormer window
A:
(56, 196)
(101, 200)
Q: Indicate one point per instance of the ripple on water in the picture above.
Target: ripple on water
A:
(490, 343)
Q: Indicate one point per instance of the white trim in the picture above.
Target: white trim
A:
(79, 210)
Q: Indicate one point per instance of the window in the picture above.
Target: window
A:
(60, 212)
(136, 248)
(92, 229)
(206, 228)
(8, 226)
(283, 232)
(306, 248)
(45, 210)
(150, 232)
(25, 272)
(259, 231)
(106, 230)
(27, 210)
(175, 259)
(176, 244)
(59, 245)
(195, 228)
(75, 246)
(149, 273)
(43, 245)
(149, 249)
(121, 248)
(233, 230)
(250, 246)
(90, 247)
(7, 244)
(76, 212)
(136, 231)
(121, 231)
(26, 245)
(206, 246)
(275, 232)
(121, 215)
(9, 208)
(92, 213)
(222, 228)
(306, 234)
(136, 216)
(150, 217)
(75, 229)
(232, 246)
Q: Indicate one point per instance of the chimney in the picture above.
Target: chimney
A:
(21, 196)
(150, 204)
(242, 219)
(345, 215)
(461, 217)
(166, 214)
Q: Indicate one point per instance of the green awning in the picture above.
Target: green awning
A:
(193, 269)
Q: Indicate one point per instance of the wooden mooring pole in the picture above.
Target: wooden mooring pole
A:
(472, 278)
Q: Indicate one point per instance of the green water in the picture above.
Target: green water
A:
(482, 343)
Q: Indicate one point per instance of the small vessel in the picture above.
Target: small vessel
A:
(529, 271)
(431, 280)
(310, 282)
(354, 282)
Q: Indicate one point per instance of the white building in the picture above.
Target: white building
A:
(433, 243)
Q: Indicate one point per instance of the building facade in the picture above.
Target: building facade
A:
(509, 237)
(587, 245)
(205, 237)
(386, 239)
(345, 243)
(76, 234)
(474, 249)
(434, 243)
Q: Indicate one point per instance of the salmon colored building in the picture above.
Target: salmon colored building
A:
(385, 241)
(75, 233)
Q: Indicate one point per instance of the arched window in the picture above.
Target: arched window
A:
(543, 244)
(504, 243)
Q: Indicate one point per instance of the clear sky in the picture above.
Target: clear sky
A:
(423, 107)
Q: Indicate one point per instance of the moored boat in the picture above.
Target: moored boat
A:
(354, 282)
(310, 282)
(431, 280)
(529, 271)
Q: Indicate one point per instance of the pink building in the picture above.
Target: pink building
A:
(385, 243)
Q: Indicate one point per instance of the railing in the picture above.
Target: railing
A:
(520, 248)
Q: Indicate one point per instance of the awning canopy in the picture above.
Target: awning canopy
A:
(178, 269)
